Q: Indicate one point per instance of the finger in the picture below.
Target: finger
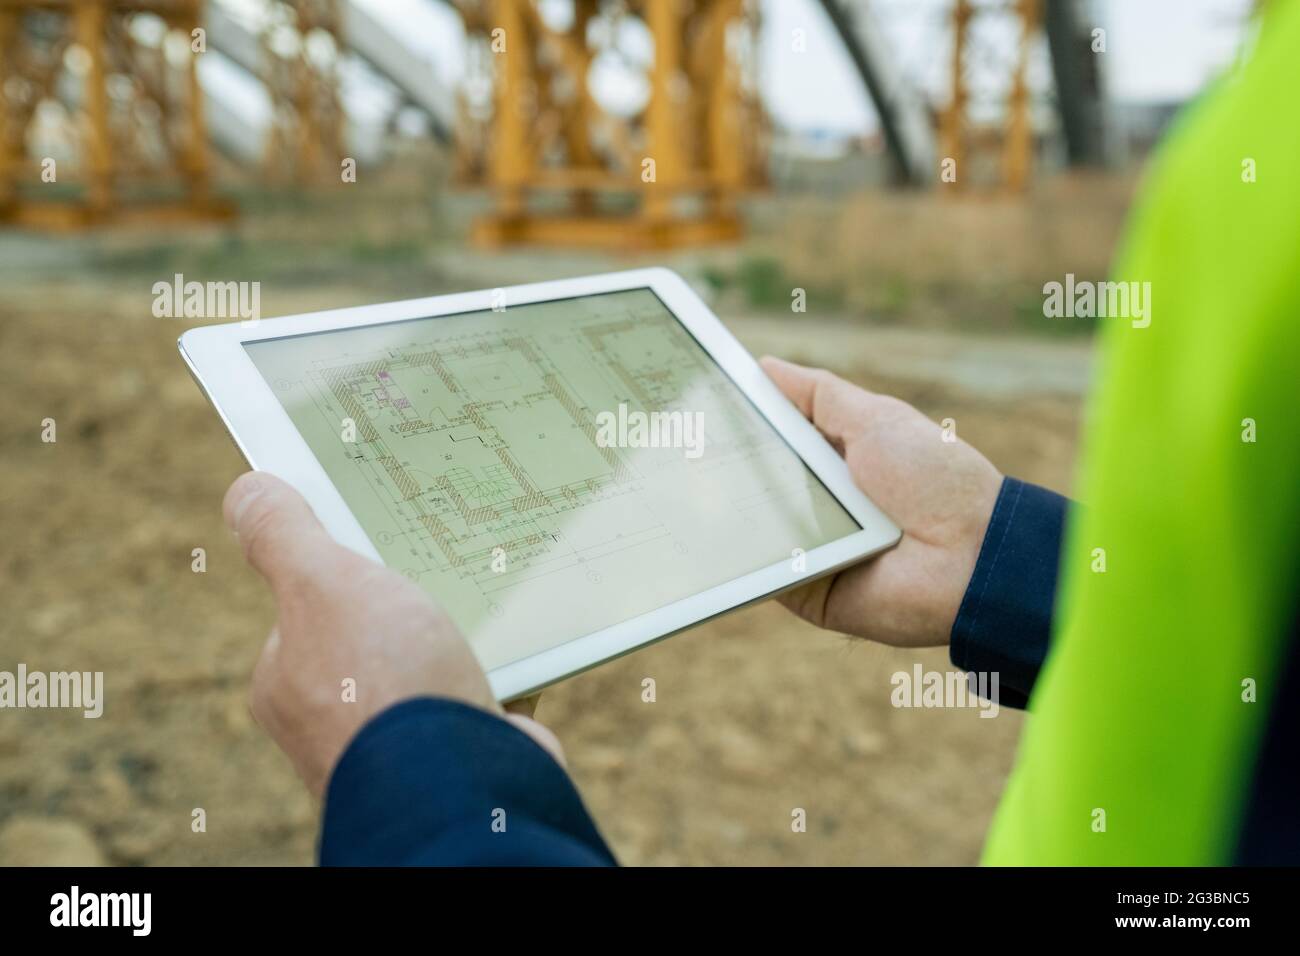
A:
(263, 684)
(281, 536)
(524, 706)
(838, 408)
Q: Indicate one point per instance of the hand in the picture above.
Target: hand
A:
(940, 493)
(342, 616)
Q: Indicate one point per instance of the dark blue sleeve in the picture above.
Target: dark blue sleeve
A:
(1005, 620)
(434, 782)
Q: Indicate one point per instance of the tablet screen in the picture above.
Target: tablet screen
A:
(551, 469)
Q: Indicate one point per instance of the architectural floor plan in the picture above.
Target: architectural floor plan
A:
(467, 447)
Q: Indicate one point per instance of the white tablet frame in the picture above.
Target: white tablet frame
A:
(268, 439)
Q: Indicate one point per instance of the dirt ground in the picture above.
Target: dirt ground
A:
(756, 714)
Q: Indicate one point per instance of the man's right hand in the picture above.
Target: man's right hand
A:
(940, 492)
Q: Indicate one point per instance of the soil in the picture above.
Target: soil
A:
(756, 713)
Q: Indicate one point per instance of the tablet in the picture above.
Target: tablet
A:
(572, 469)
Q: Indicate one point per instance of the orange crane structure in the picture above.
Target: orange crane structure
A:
(1012, 136)
(564, 168)
(300, 46)
(129, 140)
(102, 115)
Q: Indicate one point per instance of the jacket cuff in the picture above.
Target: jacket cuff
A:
(1004, 623)
(432, 781)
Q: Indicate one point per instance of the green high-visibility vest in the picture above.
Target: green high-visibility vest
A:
(1181, 576)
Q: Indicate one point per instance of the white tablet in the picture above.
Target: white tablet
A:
(572, 469)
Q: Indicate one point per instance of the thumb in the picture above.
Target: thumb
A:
(281, 536)
(836, 407)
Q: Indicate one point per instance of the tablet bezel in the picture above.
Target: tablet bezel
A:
(269, 441)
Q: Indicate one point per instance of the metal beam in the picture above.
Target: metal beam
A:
(392, 59)
(413, 76)
(906, 124)
(1078, 88)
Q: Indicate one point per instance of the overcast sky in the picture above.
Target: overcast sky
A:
(1155, 50)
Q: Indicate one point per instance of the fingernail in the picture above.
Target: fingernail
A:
(248, 488)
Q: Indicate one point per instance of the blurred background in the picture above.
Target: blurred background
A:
(918, 169)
